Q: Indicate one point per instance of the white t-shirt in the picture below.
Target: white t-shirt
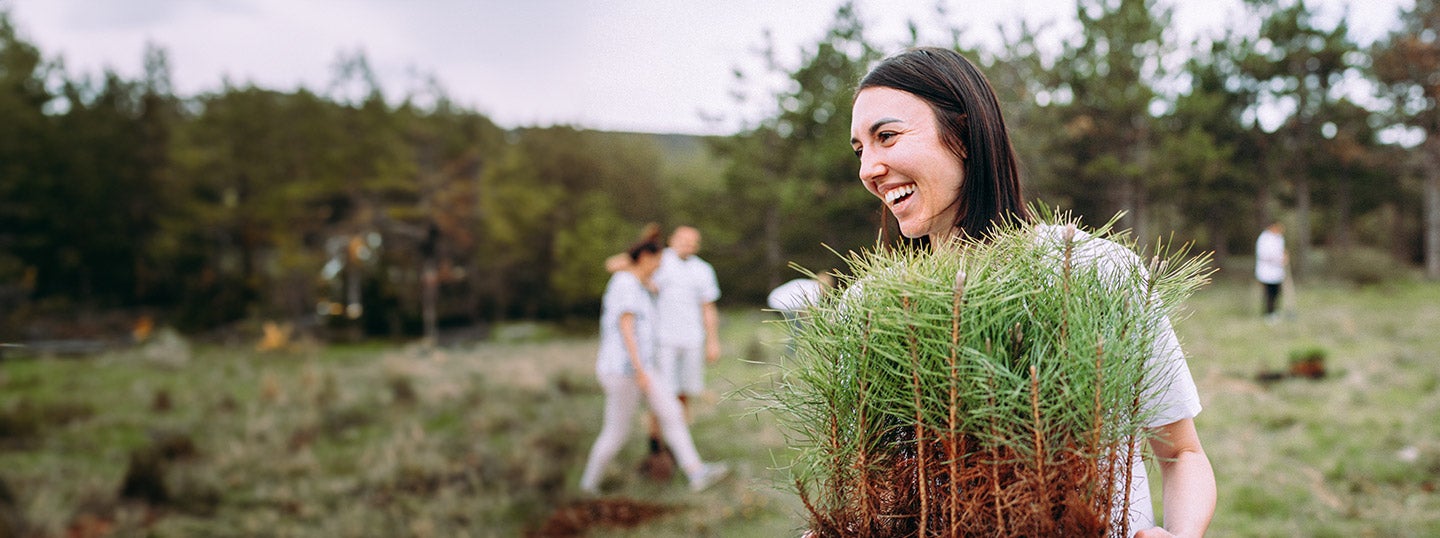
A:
(625, 294)
(1172, 395)
(1270, 257)
(684, 286)
(795, 294)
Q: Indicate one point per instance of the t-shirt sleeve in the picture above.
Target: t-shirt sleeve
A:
(1170, 392)
(710, 287)
(630, 297)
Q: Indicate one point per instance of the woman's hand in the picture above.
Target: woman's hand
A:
(643, 380)
(627, 331)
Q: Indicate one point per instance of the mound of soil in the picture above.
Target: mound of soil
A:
(576, 518)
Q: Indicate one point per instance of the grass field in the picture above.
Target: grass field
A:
(489, 440)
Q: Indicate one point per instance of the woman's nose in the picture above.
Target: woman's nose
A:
(870, 168)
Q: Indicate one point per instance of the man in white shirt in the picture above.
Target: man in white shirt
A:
(686, 291)
(1270, 259)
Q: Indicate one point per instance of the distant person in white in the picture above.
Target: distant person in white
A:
(795, 296)
(686, 291)
(1270, 259)
(798, 294)
(626, 369)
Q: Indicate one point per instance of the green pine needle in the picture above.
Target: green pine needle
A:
(888, 349)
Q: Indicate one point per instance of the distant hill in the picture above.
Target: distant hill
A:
(685, 158)
(674, 147)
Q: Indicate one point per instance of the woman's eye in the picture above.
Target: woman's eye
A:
(858, 151)
(885, 136)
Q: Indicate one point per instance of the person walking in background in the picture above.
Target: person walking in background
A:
(689, 324)
(627, 371)
(686, 291)
(1270, 261)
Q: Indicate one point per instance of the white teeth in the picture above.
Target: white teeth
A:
(898, 192)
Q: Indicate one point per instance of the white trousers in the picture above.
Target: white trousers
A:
(622, 401)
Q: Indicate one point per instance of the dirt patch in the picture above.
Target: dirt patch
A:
(577, 518)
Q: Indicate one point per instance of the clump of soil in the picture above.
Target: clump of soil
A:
(23, 422)
(145, 476)
(658, 467)
(1304, 364)
(575, 519)
(12, 522)
(1310, 368)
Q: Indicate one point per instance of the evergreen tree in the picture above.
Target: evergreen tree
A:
(1297, 64)
(1107, 87)
(1407, 63)
(27, 144)
(795, 174)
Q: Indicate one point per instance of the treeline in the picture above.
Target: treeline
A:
(399, 215)
(251, 203)
(1279, 117)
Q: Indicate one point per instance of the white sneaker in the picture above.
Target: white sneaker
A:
(709, 474)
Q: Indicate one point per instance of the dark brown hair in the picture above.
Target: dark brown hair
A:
(649, 242)
(971, 125)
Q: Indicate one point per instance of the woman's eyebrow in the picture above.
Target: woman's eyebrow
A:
(881, 123)
(876, 127)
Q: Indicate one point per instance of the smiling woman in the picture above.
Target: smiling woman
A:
(906, 380)
(933, 146)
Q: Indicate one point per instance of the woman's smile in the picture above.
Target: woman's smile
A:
(898, 195)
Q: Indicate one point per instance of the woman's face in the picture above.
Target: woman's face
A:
(904, 163)
(647, 263)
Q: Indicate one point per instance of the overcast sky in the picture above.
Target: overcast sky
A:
(640, 65)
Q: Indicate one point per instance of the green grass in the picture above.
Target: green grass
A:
(489, 440)
(1354, 454)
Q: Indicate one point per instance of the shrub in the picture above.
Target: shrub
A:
(1365, 266)
(979, 388)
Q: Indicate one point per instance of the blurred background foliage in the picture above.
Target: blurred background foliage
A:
(334, 208)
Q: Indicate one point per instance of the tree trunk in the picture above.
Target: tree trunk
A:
(1135, 198)
(774, 257)
(1432, 208)
(1340, 234)
(1265, 198)
(430, 283)
(1301, 238)
(1142, 231)
(1218, 240)
(1394, 225)
(429, 296)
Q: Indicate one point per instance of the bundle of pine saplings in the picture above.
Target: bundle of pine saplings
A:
(981, 388)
